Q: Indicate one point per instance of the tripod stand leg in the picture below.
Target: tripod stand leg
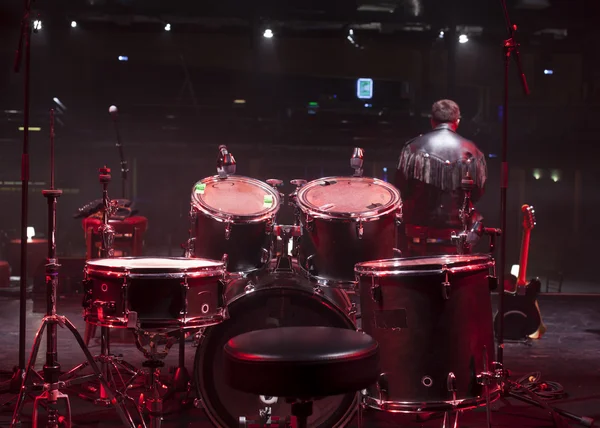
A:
(117, 401)
(32, 358)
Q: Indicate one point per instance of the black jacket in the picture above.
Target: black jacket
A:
(429, 174)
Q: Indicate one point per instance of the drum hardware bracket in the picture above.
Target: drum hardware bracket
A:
(446, 286)
(308, 223)
(376, 293)
(359, 228)
(451, 386)
(228, 223)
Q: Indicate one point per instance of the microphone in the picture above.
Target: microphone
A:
(225, 162)
(357, 160)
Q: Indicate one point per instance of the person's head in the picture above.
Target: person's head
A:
(445, 111)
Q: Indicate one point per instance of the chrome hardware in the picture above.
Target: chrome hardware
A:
(270, 225)
(189, 248)
(352, 311)
(308, 223)
(376, 294)
(397, 252)
(228, 223)
(264, 258)
(399, 216)
(225, 260)
(446, 286)
(317, 289)
(359, 229)
(250, 287)
(427, 381)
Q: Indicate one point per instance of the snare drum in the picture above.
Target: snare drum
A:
(346, 220)
(432, 317)
(233, 219)
(148, 292)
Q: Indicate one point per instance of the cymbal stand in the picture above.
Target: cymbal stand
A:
(106, 360)
(49, 383)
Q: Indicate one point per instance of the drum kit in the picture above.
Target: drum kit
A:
(338, 265)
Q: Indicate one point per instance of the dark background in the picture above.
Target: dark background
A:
(176, 104)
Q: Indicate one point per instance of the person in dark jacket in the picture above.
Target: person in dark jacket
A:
(429, 174)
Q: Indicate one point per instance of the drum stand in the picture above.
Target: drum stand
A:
(50, 383)
(105, 359)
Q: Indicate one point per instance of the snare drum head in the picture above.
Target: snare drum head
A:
(155, 265)
(425, 264)
(343, 197)
(235, 197)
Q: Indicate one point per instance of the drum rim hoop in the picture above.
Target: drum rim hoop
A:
(394, 205)
(92, 267)
(383, 267)
(221, 216)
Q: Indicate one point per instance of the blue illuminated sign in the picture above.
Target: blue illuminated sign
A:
(364, 88)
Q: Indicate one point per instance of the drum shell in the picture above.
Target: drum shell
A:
(247, 247)
(424, 336)
(275, 300)
(159, 301)
(336, 245)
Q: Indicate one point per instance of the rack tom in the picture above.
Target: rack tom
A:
(346, 220)
(233, 220)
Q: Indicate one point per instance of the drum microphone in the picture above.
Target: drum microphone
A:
(225, 162)
(356, 161)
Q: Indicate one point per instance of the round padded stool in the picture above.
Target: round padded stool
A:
(301, 364)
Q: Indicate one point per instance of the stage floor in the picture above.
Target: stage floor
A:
(569, 354)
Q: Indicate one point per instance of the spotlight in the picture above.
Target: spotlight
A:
(548, 71)
(168, 27)
(441, 35)
(123, 58)
(37, 25)
(73, 24)
(268, 34)
(463, 38)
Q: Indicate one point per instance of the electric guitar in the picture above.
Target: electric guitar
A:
(522, 317)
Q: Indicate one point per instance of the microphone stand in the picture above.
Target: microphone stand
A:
(509, 387)
(50, 382)
(124, 168)
(25, 37)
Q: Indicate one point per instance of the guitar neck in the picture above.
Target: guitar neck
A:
(522, 279)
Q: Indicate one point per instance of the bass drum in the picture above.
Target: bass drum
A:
(276, 300)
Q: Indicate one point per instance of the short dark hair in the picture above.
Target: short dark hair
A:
(445, 111)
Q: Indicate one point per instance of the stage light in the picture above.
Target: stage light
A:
(37, 25)
(268, 34)
(547, 71)
(239, 101)
(384, 169)
(441, 35)
(555, 176)
(463, 38)
(30, 233)
(514, 270)
(368, 105)
(73, 24)
(123, 58)
(31, 128)
(168, 27)
(537, 174)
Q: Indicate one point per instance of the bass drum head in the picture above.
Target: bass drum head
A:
(270, 307)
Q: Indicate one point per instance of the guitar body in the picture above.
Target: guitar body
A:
(521, 314)
(522, 318)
